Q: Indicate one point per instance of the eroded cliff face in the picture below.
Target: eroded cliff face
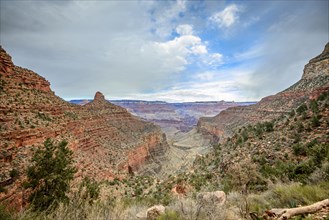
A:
(105, 138)
(173, 118)
(315, 80)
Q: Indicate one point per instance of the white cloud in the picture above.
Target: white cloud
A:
(182, 47)
(184, 29)
(213, 60)
(205, 76)
(121, 47)
(217, 57)
(205, 86)
(196, 91)
(165, 15)
(106, 46)
(227, 17)
(199, 49)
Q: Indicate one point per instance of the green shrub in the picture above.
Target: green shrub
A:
(292, 113)
(303, 170)
(268, 126)
(299, 149)
(315, 121)
(302, 108)
(43, 116)
(311, 143)
(89, 189)
(300, 126)
(244, 135)
(318, 153)
(323, 96)
(14, 173)
(258, 130)
(314, 106)
(49, 175)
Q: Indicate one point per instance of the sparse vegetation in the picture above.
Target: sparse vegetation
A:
(279, 163)
(71, 115)
(89, 189)
(43, 116)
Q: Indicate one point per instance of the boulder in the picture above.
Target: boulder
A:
(179, 190)
(217, 197)
(155, 211)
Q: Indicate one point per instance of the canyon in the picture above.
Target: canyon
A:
(178, 121)
(173, 118)
(119, 138)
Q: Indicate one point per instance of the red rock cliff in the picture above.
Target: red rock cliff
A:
(105, 138)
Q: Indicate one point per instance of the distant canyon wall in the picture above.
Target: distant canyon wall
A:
(173, 117)
(314, 81)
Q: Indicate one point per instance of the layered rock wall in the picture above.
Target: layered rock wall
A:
(105, 138)
(315, 80)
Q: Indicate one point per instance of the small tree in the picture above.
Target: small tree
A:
(50, 174)
(89, 189)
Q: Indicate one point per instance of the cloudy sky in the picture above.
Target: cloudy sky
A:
(165, 50)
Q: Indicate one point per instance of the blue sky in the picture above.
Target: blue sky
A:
(165, 50)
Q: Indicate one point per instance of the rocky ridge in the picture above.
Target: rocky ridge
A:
(172, 117)
(107, 140)
(314, 81)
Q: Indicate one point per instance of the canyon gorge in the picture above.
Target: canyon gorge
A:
(119, 138)
(106, 139)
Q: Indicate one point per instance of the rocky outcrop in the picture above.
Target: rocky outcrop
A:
(106, 139)
(154, 212)
(315, 80)
(151, 213)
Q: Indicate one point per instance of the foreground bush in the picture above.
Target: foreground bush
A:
(288, 196)
(49, 175)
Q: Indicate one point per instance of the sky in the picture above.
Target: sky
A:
(175, 51)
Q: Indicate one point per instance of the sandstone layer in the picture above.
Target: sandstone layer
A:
(314, 81)
(106, 139)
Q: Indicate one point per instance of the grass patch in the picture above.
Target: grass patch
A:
(288, 196)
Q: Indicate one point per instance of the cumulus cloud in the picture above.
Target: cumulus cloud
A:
(82, 47)
(227, 17)
(165, 49)
(184, 29)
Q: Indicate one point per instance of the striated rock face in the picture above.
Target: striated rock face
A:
(105, 138)
(315, 80)
(172, 117)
